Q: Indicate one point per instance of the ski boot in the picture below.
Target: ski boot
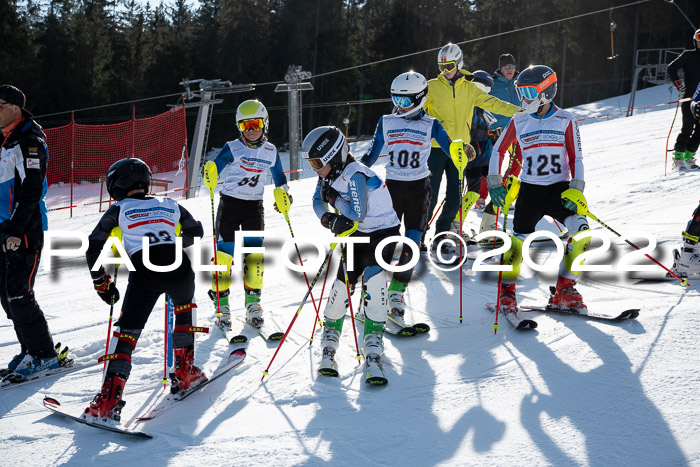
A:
(329, 344)
(30, 366)
(108, 403)
(63, 358)
(508, 302)
(12, 365)
(686, 262)
(566, 297)
(488, 222)
(684, 160)
(186, 374)
(374, 349)
(224, 314)
(480, 204)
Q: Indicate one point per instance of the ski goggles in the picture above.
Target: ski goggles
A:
(531, 91)
(447, 67)
(316, 164)
(697, 36)
(402, 101)
(253, 124)
(508, 67)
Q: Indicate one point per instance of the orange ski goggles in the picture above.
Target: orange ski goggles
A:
(254, 124)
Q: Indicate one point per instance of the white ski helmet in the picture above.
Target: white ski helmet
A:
(409, 89)
(448, 54)
(696, 38)
(249, 110)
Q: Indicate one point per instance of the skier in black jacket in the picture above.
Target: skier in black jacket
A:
(24, 157)
(689, 138)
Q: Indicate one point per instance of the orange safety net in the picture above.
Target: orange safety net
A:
(79, 156)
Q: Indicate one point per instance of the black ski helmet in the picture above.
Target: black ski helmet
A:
(543, 78)
(484, 78)
(126, 175)
(328, 144)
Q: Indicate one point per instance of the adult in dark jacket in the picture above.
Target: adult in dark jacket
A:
(504, 86)
(22, 224)
(689, 138)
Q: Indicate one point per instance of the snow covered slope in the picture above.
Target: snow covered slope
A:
(572, 392)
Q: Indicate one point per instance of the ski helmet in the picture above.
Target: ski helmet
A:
(696, 38)
(536, 82)
(325, 145)
(409, 89)
(449, 57)
(483, 81)
(126, 175)
(252, 114)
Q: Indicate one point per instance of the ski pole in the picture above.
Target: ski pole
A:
(211, 176)
(460, 158)
(578, 198)
(513, 187)
(282, 203)
(303, 301)
(109, 325)
(164, 380)
(352, 316)
(675, 114)
(318, 319)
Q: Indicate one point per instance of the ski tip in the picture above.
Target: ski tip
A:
(241, 339)
(421, 327)
(240, 351)
(377, 380)
(328, 372)
(408, 331)
(275, 336)
(527, 324)
(51, 401)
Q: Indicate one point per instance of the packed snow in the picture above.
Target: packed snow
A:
(572, 392)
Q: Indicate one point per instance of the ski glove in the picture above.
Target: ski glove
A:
(291, 200)
(680, 86)
(329, 195)
(336, 223)
(496, 189)
(106, 289)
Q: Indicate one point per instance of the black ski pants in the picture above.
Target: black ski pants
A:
(438, 164)
(689, 137)
(17, 274)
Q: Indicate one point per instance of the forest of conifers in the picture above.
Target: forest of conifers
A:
(73, 54)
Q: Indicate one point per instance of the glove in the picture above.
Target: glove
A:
(496, 190)
(694, 109)
(329, 195)
(106, 289)
(336, 223)
(570, 205)
(530, 108)
(291, 200)
(680, 86)
(495, 134)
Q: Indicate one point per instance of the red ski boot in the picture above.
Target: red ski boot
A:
(565, 296)
(508, 303)
(186, 374)
(107, 404)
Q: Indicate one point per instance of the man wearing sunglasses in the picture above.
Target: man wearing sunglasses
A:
(248, 159)
(504, 86)
(24, 157)
(689, 138)
(451, 99)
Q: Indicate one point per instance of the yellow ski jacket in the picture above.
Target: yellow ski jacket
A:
(453, 106)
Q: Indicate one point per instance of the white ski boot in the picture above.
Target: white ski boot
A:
(686, 262)
(329, 344)
(254, 315)
(374, 348)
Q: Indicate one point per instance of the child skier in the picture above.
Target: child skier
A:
(137, 215)
(358, 195)
(241, 207)
(407, 134)
(550, 149)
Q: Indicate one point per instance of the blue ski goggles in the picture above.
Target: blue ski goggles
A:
(526, 92)
(402, 101)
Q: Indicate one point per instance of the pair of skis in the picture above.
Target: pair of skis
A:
(521, 322)
(234, 359)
